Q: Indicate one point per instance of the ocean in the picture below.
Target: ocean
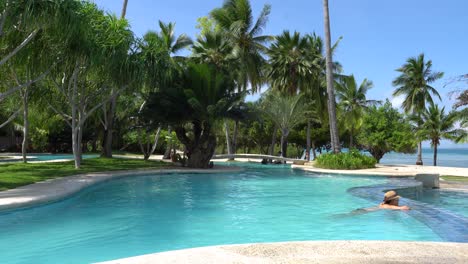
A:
(446, 157)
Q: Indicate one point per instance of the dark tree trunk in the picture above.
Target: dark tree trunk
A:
(201, 147)
(273, 141)
(377, 154)
(351, 138)
(313, 150)
(435, 154)
(234, 137)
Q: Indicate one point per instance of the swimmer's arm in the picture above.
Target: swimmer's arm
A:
(393, 207)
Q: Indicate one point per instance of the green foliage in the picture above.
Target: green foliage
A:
(384, 129)
(294, 62)
(414, 84)
(353, 160)
(19, 174)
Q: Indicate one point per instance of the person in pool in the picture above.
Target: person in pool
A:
(390, 201)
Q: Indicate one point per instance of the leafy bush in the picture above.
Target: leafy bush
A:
(352, 160)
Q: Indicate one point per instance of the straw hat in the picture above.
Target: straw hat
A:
(390, 195)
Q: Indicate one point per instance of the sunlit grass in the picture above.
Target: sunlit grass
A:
(454, 178)
(18, 174)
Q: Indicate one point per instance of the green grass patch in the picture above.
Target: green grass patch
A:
(353, 160)
(18, 174)
(455, 178)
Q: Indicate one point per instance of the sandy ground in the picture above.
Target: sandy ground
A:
(313, 252)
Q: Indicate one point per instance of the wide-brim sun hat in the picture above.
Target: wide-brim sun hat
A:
(390, 195)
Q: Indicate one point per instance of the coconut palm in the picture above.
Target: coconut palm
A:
(439, 125)
(293, 62)
(353, 101)
(286, 111)
(335, 141)
(214, 48)
(414, 84)
(236, 20)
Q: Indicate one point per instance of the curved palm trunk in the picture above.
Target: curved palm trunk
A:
(435, 154)
(335, 141)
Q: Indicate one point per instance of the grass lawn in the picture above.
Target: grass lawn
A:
(18, 174)
(455, 178)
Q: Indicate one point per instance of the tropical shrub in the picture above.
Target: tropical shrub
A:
(352, 160)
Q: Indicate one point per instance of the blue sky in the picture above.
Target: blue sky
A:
(378, 36)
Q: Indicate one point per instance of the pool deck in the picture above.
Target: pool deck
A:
(393, 170)
(312, 252)
(59, 188)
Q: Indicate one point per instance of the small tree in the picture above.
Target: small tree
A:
(286, 112)
(384, 130)
(439, 125)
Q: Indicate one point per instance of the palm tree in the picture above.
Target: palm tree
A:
(214, 48)
(293, 62)
(352, 99)
(335, 141)
(286, 111)
(414, 84)
(439, 125)
(192, 104)
(235, 19)
(161, 62)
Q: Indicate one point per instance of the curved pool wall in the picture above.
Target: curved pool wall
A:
(448, 226)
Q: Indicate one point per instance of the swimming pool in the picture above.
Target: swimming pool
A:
(43, 157)
(48, 157)
(145, 214)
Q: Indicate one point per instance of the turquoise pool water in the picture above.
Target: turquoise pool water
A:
(47, 157)
(454, 201)
(144, 214)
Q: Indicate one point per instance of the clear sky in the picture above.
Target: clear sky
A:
(378, 36)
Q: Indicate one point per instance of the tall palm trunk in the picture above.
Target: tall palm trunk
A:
(273, 141)
(124, 8)
(234, 137)
(24, 146)
(335, 141)
(435, 154)
(419, 158)
(351, 138)
(308, 141)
